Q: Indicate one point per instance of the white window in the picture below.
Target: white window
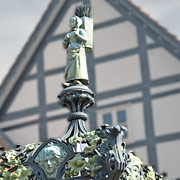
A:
(118, 115)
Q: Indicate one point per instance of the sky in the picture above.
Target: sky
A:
(18, 19)
(166, 12)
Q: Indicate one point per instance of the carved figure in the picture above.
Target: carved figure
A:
(49, 159)
(74, 42)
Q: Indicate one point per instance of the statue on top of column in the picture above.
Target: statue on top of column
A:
(77, 42)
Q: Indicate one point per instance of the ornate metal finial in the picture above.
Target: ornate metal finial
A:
(77, 98)
(112, 156)
(102, 154)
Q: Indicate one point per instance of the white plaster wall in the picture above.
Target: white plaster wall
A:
(103, 11)
(33, 69)
(164, 88)
(149, 40)
(53, 85)
(114, 39)
(118, 74)
(118, 98)
(168, 158)
(27, 97)
(17, 121)
(136, 122)
(64, 24)
(162, 63)
(24, 135)
(57, 128)
(61, 110)
(166, 114)
(54, 55)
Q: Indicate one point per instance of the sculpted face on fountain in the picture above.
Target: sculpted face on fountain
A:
(50, 163)
(49, 159)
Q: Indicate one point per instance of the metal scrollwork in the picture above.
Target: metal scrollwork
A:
(112, 156)
(47, 159)
(37, 172)
(77, 99)
(79, 154)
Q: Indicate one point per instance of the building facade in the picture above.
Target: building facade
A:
(134, 71)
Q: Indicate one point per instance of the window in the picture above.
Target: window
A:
(115, 117)
(121, 116)
(107, 118)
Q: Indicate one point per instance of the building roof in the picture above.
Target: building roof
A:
(45, 23)
(29, 49)
(153, 20)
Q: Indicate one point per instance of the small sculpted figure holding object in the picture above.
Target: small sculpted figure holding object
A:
(74, 42)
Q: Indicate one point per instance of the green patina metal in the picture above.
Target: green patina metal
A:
(78, 154)
(12, 167)
(49, 159)
(77, 42)
(90, 162)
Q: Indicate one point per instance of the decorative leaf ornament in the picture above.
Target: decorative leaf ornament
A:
(11, 167)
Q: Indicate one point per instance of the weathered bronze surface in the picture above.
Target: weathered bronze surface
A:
(77, 99)
(78, 154)
(77, 42)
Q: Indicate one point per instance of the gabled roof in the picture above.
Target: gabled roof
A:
(45, 23)
(29, 49)
(153, 20)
